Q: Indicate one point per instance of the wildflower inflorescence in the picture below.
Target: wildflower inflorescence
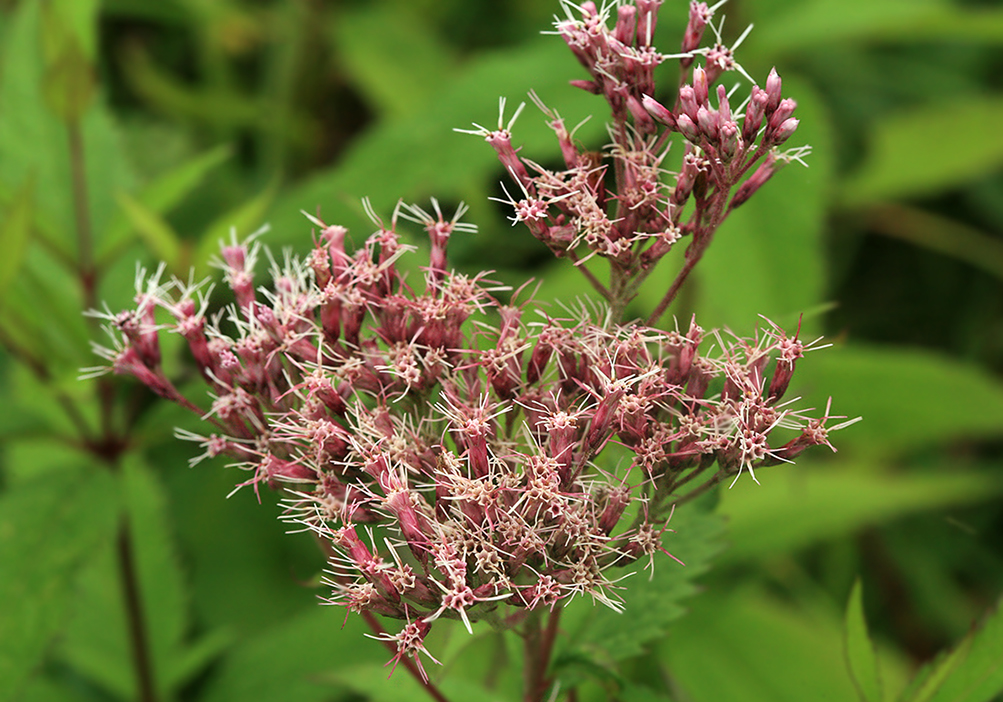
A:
(461, 457)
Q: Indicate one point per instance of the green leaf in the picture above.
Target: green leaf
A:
(639, 693)
(372, 681)
(47, 530)
(163, 195)
(978, 676)
(747, 647)
(806, 26)
(908, 398)
(242, 221)
(96, 643)
(860, 654)
(824, 502)
(768, 256)
(14, 235)
(931, 677)
(907, 159)
(156, 233)
(650, 603)
(34, 142)
(283, 663)
(393, 56)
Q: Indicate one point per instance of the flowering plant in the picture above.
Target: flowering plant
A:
(461, 454)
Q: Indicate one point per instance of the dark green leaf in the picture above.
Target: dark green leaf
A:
(392, 55)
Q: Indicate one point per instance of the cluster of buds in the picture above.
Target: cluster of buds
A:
(637, 222)
(460, 457)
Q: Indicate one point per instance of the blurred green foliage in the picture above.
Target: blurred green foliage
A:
(134, 130)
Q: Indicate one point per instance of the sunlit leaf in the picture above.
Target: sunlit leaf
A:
(14, 234)
(906, 159)
(748, 647)
(907, 397)
(795, 506)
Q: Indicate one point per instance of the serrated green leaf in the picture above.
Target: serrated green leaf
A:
(392, 55)
(825, 503)
(155, 232)
(96, 642)
(904, 161)
(978, 677)
(908, 398)
(14, 235)
(47, 529)
(650, 604)
(861, 657)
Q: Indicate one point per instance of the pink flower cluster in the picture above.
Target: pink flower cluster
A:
(447, 446)
(635, 223)
(469, 459)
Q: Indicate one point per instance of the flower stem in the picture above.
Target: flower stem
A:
(134, 614)
(538, 645)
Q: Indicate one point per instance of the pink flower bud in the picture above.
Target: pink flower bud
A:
(688, 101)
(701, 85)
(626, 25)
(688, 128)
(700, 15)
(754, 113)
(657, 110)
(773, 88)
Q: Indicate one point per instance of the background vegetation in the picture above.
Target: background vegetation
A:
(134, 130)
